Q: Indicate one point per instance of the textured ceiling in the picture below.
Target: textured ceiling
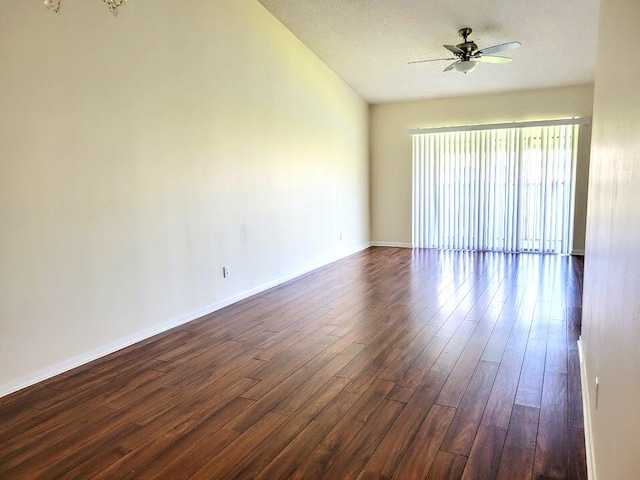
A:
(369, 42)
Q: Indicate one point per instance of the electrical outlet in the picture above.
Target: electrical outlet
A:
(225, 272)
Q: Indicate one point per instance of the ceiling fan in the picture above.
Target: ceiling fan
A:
(468, 55)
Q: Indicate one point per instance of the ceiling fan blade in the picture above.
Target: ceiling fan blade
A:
(492, 59)
(500, 48)
(450, 67)
(454, 49)
(432, 60)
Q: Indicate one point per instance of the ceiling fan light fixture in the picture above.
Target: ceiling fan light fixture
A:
(465, 66)
(467, 54)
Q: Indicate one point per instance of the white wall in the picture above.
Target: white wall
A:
(140, 154)
(611, 308)
(391, 146)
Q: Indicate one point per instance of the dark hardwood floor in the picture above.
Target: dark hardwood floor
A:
(391, 363)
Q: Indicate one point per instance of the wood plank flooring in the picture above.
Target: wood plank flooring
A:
(389, 364)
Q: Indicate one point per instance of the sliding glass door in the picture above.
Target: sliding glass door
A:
(507, 189)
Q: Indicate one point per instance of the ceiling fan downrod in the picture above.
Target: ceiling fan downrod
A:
(464, 33)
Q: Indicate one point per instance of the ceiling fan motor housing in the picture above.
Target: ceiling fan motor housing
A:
(468, 47)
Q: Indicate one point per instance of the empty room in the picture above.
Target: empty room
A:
(313, 239)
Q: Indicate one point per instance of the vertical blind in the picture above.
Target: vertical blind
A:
(506, 189)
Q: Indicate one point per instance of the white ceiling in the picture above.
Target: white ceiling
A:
(369, 42)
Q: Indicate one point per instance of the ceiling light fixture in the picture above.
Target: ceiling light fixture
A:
(465, 66)
(113, 5)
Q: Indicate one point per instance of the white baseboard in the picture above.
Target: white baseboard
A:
(588, 437)
(13, 386)
(391, 244)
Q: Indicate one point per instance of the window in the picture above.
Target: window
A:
(501, 189)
